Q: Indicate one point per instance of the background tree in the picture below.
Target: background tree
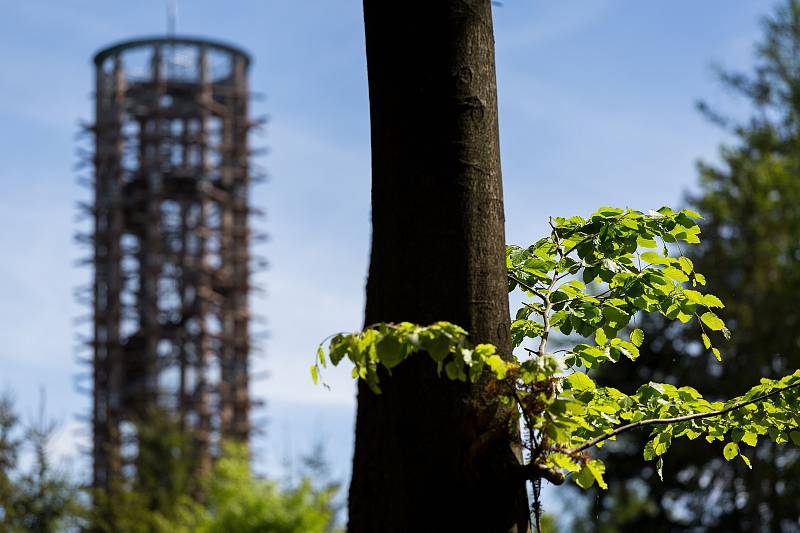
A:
(9, 453)
(437, 254)
(239, 501)
(163, 497)
(40, 498)
(750, 253)
(163, 480)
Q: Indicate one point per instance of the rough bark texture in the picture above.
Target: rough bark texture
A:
(437, 254)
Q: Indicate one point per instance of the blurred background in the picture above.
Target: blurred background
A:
(598, 106)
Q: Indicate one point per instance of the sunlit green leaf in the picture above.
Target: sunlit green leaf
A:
(580, 381)
(712, 321)
(706, 341)
(730, 451)
(750, 438)
(637, 337)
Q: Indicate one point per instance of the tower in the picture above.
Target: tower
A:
(170, 248)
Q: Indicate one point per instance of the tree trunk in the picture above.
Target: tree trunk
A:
(437, 254)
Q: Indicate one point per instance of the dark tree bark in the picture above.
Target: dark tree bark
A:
(437, 254)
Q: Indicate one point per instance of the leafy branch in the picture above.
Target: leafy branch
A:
(677, 419)
(590, 278)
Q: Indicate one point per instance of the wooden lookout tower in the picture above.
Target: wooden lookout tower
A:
(170, 248)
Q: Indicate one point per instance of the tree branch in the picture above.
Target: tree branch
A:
(525, 285)
(532, 471)
(548, 302)
(685, 418)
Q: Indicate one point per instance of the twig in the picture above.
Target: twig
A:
(533, 471)
(525, 286)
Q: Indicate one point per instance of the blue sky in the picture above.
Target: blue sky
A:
(596, 108)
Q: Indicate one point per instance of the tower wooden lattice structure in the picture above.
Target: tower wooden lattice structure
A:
(171, 247)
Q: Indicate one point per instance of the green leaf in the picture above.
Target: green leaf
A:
(629, 349)
(452, 370)
(585, 478)
(314, 376)
(321, 355)
(562, 460)
(600, 337)
(637, 337)
(609, 212)
(390, 351)
(654, 258)
(437, 346)
(649, 452)
(686, 264)
(712, 321)
(663, 441)
(709, 300)
(338, 349)
(498, 366)
(730, 451)
(746, 461)
(795, 436)
(592, 471)
(694, 297)
(592, 352)
(660, 468)
(676, 274)
(522, 329)
(706, 341)
(716, 353)
(616, 317)
(580, 381)
(750, 438)
(597, 469)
